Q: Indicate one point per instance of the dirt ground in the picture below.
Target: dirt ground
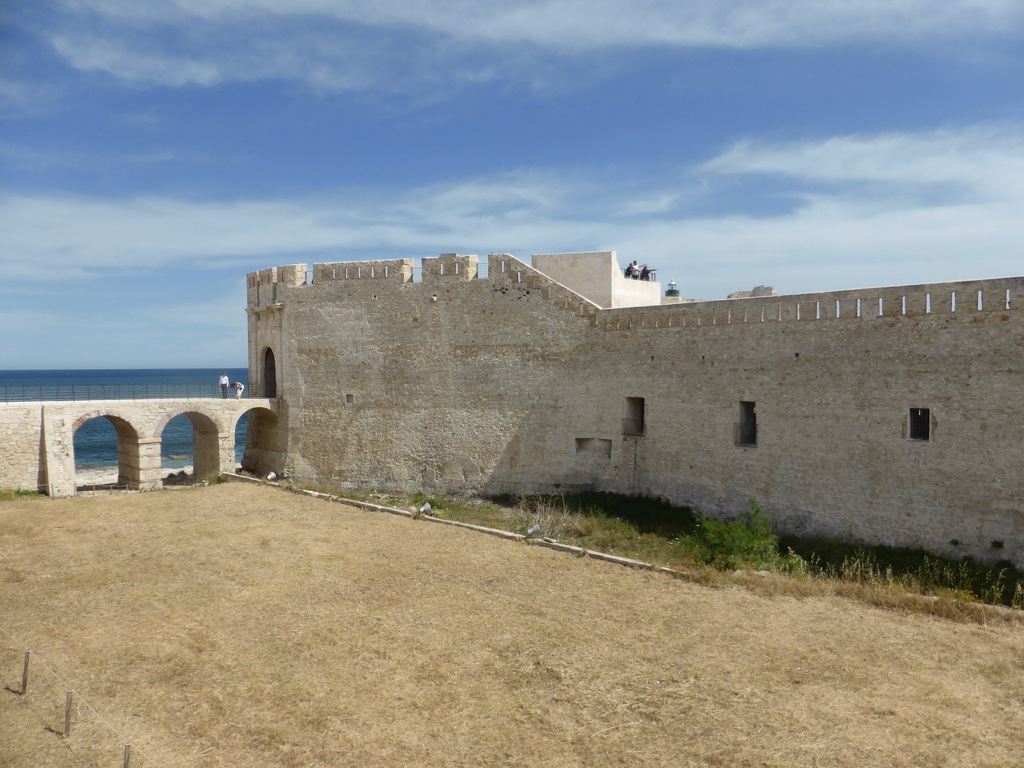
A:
(240, 625)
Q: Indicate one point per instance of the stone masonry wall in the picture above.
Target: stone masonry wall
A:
(21, 441)
(513, 383)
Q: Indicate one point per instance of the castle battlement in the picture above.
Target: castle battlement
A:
(262, 286)
(934, 300)
(399, 270)
(885, 415)
(450, 266)
(268, 288)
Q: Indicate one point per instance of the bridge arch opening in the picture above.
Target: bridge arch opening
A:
(269, 377)
(264, 444)
(191, 438)
(102, 440)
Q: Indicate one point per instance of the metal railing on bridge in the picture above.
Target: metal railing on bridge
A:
(19, 393)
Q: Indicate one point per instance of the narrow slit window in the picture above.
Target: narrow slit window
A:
(920, 424)
(746, 430)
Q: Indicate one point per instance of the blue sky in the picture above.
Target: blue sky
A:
(152, 153)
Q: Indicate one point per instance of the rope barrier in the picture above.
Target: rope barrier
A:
(134, 750)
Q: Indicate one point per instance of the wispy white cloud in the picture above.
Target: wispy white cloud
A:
(985, 160)
(346, 44)
(600, 23)
(854, 223)
(23, 97)
(25, 158)
(885, 209)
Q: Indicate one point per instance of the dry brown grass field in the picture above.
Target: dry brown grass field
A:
(240, 625)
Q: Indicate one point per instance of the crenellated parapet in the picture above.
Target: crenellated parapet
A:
(934, 300)
(264, 288)
(450, 266)
(268, 288)
(398, 270)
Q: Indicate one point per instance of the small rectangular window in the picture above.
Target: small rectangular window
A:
(920, 424)
(350, 399)
(746, 430)
(633, 419)
(594, 446)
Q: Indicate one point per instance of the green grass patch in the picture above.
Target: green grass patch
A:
(655, 531)
(10, 494)
(911, 569)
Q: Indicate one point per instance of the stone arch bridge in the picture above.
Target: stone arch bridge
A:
(37, 439)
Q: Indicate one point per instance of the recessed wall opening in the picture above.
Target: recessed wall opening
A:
(264, 449)
(269, 374)
(746, 429)
(633, 418)
(350, 399)
(594, 446)
(920, 424)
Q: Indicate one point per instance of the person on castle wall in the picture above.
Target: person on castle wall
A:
(630, 269)
(645, 273)
(224, 381)
(239, 388)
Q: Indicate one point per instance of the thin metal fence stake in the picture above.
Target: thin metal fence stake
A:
(127, 754)
(67, 714)
(24, 674)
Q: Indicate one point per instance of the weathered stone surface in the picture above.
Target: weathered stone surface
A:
(463, 384)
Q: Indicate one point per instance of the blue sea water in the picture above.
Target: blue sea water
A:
(96, 440)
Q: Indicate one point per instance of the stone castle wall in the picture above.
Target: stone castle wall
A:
(514, 383)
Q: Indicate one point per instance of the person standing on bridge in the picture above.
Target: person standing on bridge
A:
(239, 388)
(224, 381)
